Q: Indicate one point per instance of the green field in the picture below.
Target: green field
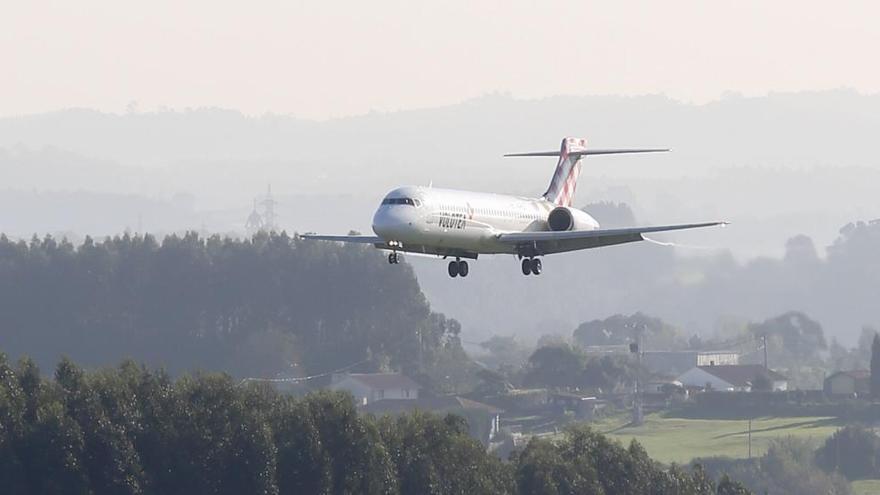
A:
(680, 440)
(866, 487)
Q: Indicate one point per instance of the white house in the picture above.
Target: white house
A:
(484, 420)
(731, 378)
(369, 387)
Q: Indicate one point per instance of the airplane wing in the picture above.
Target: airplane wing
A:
(548, 242)
(357, 239)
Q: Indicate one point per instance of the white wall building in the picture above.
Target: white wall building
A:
(370, 387)
(731, 378)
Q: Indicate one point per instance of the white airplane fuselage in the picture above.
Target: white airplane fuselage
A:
(464, 224)
(461, 223)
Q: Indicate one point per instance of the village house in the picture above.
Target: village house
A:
(674, 362)
(853, 383)
(731, 378)
(370, 387)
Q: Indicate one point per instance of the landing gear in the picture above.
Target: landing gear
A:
(536, 266)
(457, 268)
(393, 258)
(531, 266)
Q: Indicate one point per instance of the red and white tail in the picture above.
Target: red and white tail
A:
(568, 168)
(564, 182)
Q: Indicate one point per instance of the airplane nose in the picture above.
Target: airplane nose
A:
(391, 222)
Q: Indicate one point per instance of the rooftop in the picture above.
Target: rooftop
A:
(443, 403)
(856, 374)
(383, 381)
(741, 374)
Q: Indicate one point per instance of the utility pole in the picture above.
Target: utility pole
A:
(750, 438)
(637, 416)
(764, 337)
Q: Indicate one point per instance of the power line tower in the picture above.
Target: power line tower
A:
(254, 221)
(265, 220)
(269, 217)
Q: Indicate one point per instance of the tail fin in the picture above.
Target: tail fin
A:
(564, 182)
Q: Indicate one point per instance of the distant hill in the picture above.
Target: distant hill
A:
(733, 159)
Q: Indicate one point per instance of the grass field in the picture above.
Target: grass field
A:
(866, 487)
(680, 440)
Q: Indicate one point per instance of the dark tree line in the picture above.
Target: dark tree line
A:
(564, 366)
(129, 430)
(853, 451)
(789, 467)
(255, 306)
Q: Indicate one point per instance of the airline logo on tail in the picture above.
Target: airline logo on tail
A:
(561, 190)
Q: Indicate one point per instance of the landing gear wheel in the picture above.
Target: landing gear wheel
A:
(536, 266)
(453, 269)
(463, 268)
(393, 258)
(526, 266)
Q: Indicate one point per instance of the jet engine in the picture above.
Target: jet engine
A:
(565, 218)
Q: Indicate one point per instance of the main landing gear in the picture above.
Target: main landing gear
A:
(531, 266)
(393, 258)
(458, 268)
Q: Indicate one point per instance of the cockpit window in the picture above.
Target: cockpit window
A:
(401, 201)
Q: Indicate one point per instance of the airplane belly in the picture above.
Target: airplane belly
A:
(460, 234)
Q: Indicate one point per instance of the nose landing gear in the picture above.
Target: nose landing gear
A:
(458, 268)
(393, 258)
(531, 266)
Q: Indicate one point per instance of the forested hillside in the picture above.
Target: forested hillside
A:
(132, 431)
(258, 307)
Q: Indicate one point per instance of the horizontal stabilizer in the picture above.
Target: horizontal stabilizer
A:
(589, 152)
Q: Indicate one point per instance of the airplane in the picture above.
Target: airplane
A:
(464, 225)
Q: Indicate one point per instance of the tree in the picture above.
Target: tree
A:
(788, 468)
(254, 307)
(584, 461)
(555, 366)
(852, 451)
(726, 486)
(875, 366)
(129, 430)
(793, 338)
(623, 329)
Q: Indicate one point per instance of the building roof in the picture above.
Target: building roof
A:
(854, 374)
(436, 404)
(384, 381)
(740, 375)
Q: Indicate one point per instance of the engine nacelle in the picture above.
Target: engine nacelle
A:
(565, 218)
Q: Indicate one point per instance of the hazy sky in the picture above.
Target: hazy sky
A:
(328, 59)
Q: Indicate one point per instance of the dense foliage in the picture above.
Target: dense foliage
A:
(258, 306)
(587, 462)
(652, 332)
(130, 431)
(788, 468)
(853, 451)
(564, 366)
